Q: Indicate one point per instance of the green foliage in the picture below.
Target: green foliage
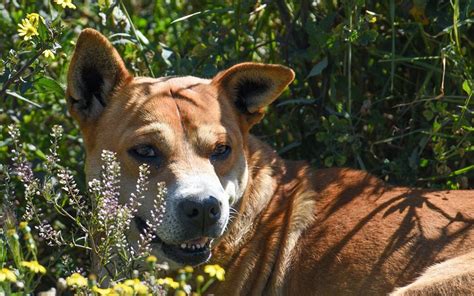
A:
(381, 85)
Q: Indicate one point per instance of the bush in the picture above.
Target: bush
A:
(384, 86)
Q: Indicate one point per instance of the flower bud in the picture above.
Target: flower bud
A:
(199, 279)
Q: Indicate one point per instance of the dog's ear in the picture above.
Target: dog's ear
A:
(96, 70)
(253, 86)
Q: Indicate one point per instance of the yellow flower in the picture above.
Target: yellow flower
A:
(138, 287)
(104, 4)
(188, 269)
(180, 293)
(23, 225)
(100, 291)
(34, 266)
(48, 53)
(168, 282)
(65, 3)
(76, 280)
(12, 232)
(34, 19)
(27, 30)
(199, 279)
(418, 13)
(151, 259)
(372, 19)
(7, 275)
(123, 290)
(215, 271)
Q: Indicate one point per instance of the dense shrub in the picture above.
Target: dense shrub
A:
(384, 86)
(381, 85)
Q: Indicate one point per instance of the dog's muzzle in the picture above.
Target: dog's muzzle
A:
(200, 215)
(200, 219)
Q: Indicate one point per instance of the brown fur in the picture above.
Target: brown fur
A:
(355, 234)
(297, 231)
(452, 277)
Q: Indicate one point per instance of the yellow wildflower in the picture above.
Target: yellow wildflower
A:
(104, 4)
(23, 225)
(65, 3)
(76, 280)
(34, 266)
(215, 271)
(370, 16)
(180, 293)
(48, 53)
(123, 290)
(27, 30)
(35, 19)
(168, 282)
(199, 279)
(100, 291)
(12, 232)
(188, 269)
(7, 275)
(418, 13)
(138, 287)
(151, 259)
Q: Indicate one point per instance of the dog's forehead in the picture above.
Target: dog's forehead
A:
(184, 105)
(174, 86)
(188, 94)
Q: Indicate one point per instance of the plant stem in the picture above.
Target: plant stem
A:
(19, 72)
(349, 67)
(392, 64)
(455, 24)
(207, 285)
(140, 45)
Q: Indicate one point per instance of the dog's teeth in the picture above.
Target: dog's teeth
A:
(183, 246)
(193, 247)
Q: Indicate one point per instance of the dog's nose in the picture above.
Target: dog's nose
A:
(201, 214)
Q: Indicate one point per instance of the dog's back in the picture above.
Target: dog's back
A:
(452, 277)
(345, 232)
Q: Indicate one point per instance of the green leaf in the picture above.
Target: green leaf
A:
(301, 101)
(467, 87)
(142, 37)
(428, 114)
(49, 84)
(341, 160)
(424, 162)
(329, 161)
(318, 68)
(187, 16)
(43, 31)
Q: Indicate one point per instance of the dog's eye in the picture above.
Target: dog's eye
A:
(220, 152)
(144, 153)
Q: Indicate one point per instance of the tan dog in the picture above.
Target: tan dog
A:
(295, 231)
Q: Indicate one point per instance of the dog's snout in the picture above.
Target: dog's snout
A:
(200, 213)
(212, 209)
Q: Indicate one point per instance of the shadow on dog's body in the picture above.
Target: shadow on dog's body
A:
(339, 232)
(296, 231)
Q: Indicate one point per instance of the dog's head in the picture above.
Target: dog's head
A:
(192, 132)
